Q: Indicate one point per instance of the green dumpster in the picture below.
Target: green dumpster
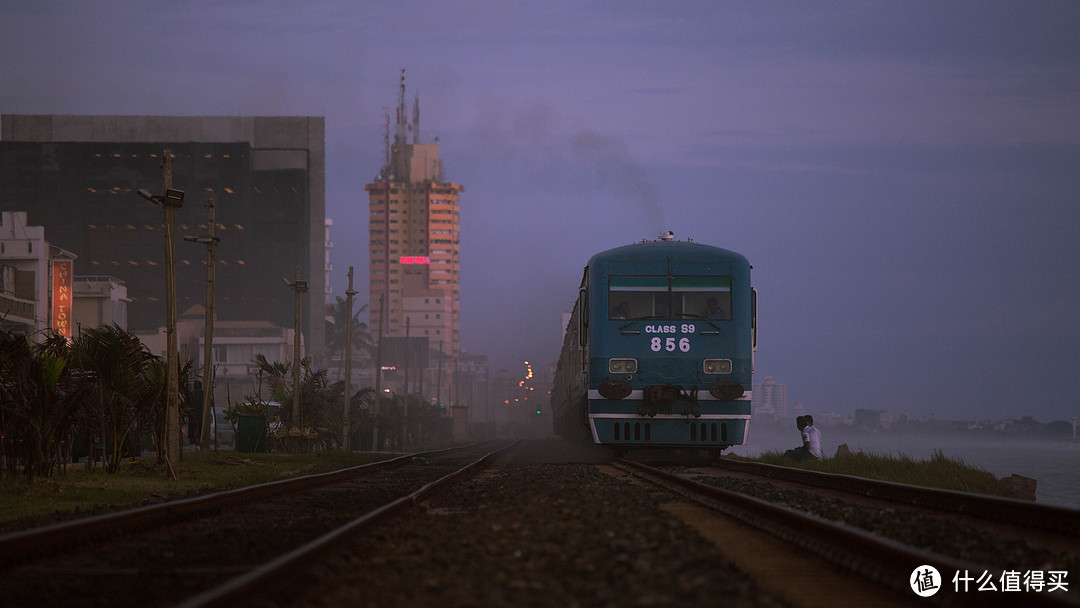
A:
(251, 433)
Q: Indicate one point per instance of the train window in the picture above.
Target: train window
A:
(653, 297)
(704, 296)
(637, 297)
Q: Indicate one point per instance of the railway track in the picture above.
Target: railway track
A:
(193, 551)
(1058, 520)
(885, 561)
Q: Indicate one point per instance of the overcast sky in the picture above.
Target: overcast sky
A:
(904, 177)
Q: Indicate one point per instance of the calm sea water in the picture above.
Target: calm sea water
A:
(1054, 464)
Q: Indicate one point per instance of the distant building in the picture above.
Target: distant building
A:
(236, 344)
(413, 242)
(99, 302)
(327, 246)
(28, 287)
(770, 399)
(472, 390)
(77, 176)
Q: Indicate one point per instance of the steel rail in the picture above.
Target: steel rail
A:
(48, 540)
(881, 560)
(278, 573)
(1061, 520)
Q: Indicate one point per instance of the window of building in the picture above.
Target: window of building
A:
(241, 354)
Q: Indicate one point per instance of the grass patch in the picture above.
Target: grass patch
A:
(140, 481)
(938, 471)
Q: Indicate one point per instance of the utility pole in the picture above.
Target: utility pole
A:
(210, 241)
(378, 379)
(172, 404)
(438, 382)
(299, 287)
(170, 201)
(349, 293)
(405, 402)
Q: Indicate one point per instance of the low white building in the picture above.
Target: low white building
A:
(26, 262)
(235, 345)
(100, 301)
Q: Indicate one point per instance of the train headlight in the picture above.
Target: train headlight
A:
(622, 366)
(717, 366)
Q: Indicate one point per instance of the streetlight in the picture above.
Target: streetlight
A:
(170, 202)
(210, 241)
(299, 286)
(378, 379)
(349, 293)
(171, 198)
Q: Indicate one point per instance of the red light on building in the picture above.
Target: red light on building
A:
(62, 281)
(415, 259)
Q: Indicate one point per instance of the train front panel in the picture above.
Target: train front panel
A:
(670, 346)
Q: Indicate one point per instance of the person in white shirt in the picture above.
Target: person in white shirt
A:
(811, 447)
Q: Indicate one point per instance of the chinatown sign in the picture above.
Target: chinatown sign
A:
(61, 296)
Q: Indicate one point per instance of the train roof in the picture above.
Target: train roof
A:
(682, 251)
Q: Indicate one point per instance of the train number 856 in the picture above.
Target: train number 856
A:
(670, 344)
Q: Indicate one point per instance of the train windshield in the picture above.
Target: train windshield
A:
(707, 297)
(658, 297)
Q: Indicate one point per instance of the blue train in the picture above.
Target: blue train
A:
(659, 348)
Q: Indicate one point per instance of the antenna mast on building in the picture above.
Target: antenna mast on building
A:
(401, 132)
(386, 141)
(416, 120)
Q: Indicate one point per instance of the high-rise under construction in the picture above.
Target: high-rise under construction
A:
(413, 228)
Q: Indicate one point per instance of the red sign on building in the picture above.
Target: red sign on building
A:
(62, 284)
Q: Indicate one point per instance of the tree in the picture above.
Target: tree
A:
(150, 405)
(34, 423)
(336, 330)
(275, 375)
(321, 404)
(111, 380)
(361, 415)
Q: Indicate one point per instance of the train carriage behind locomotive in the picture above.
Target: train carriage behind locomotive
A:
(659, 348)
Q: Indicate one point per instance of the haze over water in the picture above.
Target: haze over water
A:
(1052, 463)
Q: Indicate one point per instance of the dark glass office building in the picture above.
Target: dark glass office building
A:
(78, 176)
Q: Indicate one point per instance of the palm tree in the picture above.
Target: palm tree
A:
(336, 330)
(110, 372)
(276, 375)
(150, 406)
(34, 420)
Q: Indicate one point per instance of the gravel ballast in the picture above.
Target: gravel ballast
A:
(535, 535)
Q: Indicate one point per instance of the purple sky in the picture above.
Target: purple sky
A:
(904, 179)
